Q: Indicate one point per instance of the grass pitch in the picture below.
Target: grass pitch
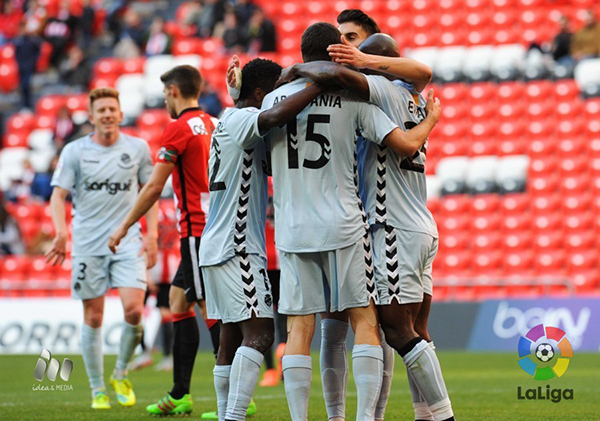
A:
(481, 386)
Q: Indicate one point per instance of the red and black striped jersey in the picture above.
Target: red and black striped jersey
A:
(186, 143)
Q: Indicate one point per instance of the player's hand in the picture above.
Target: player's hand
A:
(115, 238)
(150, 247)
(433, 108)
(231, 72)
(287, 75)
(58, 251)
(347, 53)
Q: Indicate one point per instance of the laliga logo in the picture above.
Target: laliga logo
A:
(545, 353)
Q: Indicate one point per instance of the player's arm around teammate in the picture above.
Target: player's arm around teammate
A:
(404, 143)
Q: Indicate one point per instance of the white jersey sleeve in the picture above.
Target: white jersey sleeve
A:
(146, 165)
(66, 170)
(373, 123)
(243, 127)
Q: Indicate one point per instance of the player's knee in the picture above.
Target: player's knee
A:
(261, 341)
(421, 330)
(93, 319)
(133, 314)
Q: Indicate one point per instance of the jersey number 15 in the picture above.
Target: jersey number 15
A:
(311, 136)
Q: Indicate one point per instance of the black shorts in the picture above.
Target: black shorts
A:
(162, 295)
(274, 280)
(189, 275)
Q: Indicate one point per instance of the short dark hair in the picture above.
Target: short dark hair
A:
(187, 78)
(359, 18)
(259, 73)
(315, 40)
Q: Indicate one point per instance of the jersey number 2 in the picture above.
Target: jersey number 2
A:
(311, 136)
(407, 163)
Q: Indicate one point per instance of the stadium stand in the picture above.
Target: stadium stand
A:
(513, 166)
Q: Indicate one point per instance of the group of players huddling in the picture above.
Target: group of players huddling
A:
(346, 150)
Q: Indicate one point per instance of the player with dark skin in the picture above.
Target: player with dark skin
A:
(258, 333)
(400, 322)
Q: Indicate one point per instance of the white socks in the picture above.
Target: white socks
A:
(221, 374)
(297, 373)
(389, 356)
(334, 367)
(425, 371)
(242, 381)
(367, 365)
(91, 349)
(131, 336)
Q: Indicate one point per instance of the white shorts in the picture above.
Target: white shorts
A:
(92, 276)
(237, 289)
(329, 280)
(403, 262)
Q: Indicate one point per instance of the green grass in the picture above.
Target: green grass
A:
(481, 386)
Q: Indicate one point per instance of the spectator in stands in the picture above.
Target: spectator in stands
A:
(231, 33)
(132, 36)
(260, 33)
(75, 70)
(211, 13)
(35, 17)
(86, 23)
(40, 187)
(561, 45)
(157, 40)
(64, 127)
(58, 31)
(9, 22)
(244, 9)
(27, 51)
(586, 41)
(209, 101)
(11, 241)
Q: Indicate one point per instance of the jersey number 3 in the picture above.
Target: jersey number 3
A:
(311, 136)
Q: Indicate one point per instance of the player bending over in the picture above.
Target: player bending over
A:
(320, 226)
(184, 153)
(404, 231)
(233, 250)
(103, 171)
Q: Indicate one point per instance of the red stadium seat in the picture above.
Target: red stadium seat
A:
(512, 129)
(516, 241)
(582, 260)
(579, 184)
(15, 140)
(41, 271)
(511, 92)
(9, 76)
(538, 129)
(543, 184)
(108, 66)
(568, 108)
(579, 221)
(567, 90)
(455, 205)
(546, 223)
(544, 204)
(585, 281)
(453, 241)
(577, 203)
(539, 109)
(15, 268)
(542, 147)
(454, 223)
(20, 122)
(483, 146)
(454, 263)
(50, 104)
(518, 263)
(485, 203)
(580, 240)
(512, 147)
(134, 65)
(514, 204)
(548, 241)
(549, 261)
(486, 241)
(487, 262)
(516, 222)
(45, 122)
(571, 146)
(592, 107)
(486, 223)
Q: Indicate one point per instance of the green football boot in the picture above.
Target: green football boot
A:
(169, 406)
